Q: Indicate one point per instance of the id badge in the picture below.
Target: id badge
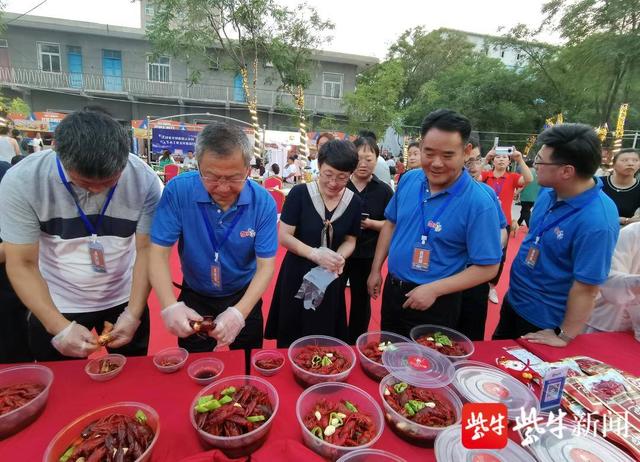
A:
(421, 256)
(216, 273)
(532, 256)
(96, 252)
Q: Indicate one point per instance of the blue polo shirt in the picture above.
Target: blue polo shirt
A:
(467, 231)
(578, 248)
(178, 217)
(496, 202)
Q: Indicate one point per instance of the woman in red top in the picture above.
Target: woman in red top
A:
(505, 184)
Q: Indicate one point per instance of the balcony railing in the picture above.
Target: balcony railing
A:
(141, 88)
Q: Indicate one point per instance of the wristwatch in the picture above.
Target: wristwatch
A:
(562, 335)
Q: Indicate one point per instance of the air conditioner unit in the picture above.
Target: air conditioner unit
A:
(268, 64)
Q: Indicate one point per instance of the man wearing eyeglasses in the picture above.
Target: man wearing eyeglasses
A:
(568, 251)
(225, 226)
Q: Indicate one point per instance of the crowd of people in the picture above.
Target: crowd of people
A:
(88, 230)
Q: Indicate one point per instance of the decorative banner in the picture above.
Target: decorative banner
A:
(622, 117)
(37, 121)
(602, 131)
(140, 126)
(184, 140)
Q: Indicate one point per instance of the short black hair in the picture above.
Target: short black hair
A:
(92, 144)
(413, 144)
(15, 132)
(275, 168)
(448, 121)
(97, 108)
(368, 134)
(474, 140)
(577, 145)
(367, 141)
(341, 155)
(625, 151)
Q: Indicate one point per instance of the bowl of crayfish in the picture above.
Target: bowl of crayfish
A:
(371, 346)
(319, 358)
(124, 431)
(105, 367)
(23, 395)
(235, 414)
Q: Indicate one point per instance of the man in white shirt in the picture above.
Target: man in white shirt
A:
(290, 171)
(190, 161)
(382, 171)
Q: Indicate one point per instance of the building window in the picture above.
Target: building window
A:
(502, 54)
(148, 10)
(159, 69)
(49, 54)
(332, 85)
(4, 43)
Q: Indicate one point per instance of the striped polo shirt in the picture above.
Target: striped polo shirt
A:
(35, 207)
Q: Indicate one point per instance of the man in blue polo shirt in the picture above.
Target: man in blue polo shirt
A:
(442, 233)
(567, 253)
(225, 226)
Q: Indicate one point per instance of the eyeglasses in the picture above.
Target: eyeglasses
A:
(215, 180)
(538, 161)
(339, 179)
(471, 162)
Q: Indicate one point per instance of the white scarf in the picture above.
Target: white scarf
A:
(326, 236)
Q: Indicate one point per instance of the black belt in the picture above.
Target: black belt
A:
(394, 281)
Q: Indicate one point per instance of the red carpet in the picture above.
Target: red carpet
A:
(160, 338)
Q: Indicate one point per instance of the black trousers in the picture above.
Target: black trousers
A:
(511, 325)
(473, 311)
(357, 271)
(525, 213)
(14, 335)
(249, 337)
(445, 311)
(43, 350)
(496, 279)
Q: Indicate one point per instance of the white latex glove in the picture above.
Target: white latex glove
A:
(176, 318)
(229, 323)
(75, 340)
(327, 258)
(124, 329)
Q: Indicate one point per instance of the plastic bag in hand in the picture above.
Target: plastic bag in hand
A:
(314, 284)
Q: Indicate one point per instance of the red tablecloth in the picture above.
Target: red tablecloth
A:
(73, 394)
(286, 424)
(618, 349)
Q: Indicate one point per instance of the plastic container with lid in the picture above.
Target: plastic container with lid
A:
(306, 377)
(336, 392)
(242, 445)
(448, 448)
(573, 448)
(480, 384)
(420, 367)
(65, 438)
(453, 335)
(18, 419)
(380, 341)
(370, 455)
(93, 367)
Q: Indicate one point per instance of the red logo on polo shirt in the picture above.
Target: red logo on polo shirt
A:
(435, 225)
(248, 233)
(484, 426)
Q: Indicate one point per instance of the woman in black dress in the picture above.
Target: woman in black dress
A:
(622, 186)
(311, 240)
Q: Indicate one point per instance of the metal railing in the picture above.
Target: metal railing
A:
(93, 83)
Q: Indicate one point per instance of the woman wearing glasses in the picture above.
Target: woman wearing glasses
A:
(319, 224)
(622, 185)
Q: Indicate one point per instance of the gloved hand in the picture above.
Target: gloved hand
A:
(327, 258)
(124, 329)
(176, 318)
(229, 323)
(75, 340)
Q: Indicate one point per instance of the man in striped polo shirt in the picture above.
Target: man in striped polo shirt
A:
(75, 224)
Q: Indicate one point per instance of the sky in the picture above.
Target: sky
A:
(362, 27)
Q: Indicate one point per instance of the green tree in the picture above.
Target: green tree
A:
(193, 29)
(296, 34)
(374, 104)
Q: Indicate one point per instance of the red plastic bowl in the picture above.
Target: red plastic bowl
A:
(65, 437)
(18, 419)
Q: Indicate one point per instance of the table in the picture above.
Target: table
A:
(286, 424)
(73, 394)
(618, 349)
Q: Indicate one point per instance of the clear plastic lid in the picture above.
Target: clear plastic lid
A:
(479, 384)
(573, 447)
(448, 447)
(418, 366)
